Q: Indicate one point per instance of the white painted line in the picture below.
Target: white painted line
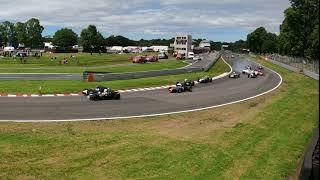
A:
(160, 114)
(60, 95)
(11, 95)
(25, 95)
(48, 95)
(34, 95)
(74, 94)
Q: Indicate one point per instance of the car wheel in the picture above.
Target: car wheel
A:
(117, 97)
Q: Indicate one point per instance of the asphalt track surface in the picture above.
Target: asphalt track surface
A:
(148, 103)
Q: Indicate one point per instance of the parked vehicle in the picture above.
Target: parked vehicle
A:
(190, 55)
(197, 58)
(163, 56)
(139, 59)
(152, 59)
(180, 56)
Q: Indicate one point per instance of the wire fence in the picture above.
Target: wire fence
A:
(298, 62)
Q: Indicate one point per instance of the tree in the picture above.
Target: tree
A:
(91, 39)
(8, 34)
(21, 33)
(65, 38)
(238, 46)
(256, 39)
(34, 33)
(119, 41)
(298, 32)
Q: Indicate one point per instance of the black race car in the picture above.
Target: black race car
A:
(188, 82)
(205, 79)
(101, 93)
(180, 87)
(253, 75)
(234, 75)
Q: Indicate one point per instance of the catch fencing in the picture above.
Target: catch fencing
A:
(297, 62)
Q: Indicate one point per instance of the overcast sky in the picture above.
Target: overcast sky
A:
(217, 20)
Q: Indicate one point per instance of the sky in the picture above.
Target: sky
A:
(216, 20)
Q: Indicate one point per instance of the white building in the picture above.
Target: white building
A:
(48, 45)
(183, 44)
(117, 48)
(133, 49)
(204, 44)
(160, 48)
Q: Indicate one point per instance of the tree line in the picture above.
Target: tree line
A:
(28, 33)
(299, 32)
(299, 35)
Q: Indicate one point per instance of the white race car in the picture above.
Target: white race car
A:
(247, 71)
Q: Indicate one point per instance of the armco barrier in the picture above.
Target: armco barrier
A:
(294, 69)
(144, 74)
(310, 169)
(101, 76)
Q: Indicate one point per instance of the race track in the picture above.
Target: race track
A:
(137, 104)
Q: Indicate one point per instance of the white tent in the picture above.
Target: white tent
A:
(8, 49)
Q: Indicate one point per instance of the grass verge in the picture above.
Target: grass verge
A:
(118, 68)
(18, 86)
(263, 138)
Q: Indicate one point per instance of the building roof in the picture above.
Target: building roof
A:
(205, 41)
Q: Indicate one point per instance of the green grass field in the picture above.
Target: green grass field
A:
(83, 62)
(18, 86)
(262, 138)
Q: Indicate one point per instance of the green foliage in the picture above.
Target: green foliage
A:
(21, 33)
(91, 39)
(8, 33)
(119, 41)
(65, 38)
(260, 41)
(299, 32)
(34, 33)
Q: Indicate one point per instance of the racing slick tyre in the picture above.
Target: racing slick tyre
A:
(117, 97)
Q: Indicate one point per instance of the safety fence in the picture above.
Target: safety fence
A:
(298, 62)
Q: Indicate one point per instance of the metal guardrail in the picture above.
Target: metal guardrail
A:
(298, 62)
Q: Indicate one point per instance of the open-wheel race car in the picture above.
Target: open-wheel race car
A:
(188, 82)
(101, 93)
(259, 72)
(247, 70)
(252, 75)
(234, 75)
(180, 87)
(205, 79)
